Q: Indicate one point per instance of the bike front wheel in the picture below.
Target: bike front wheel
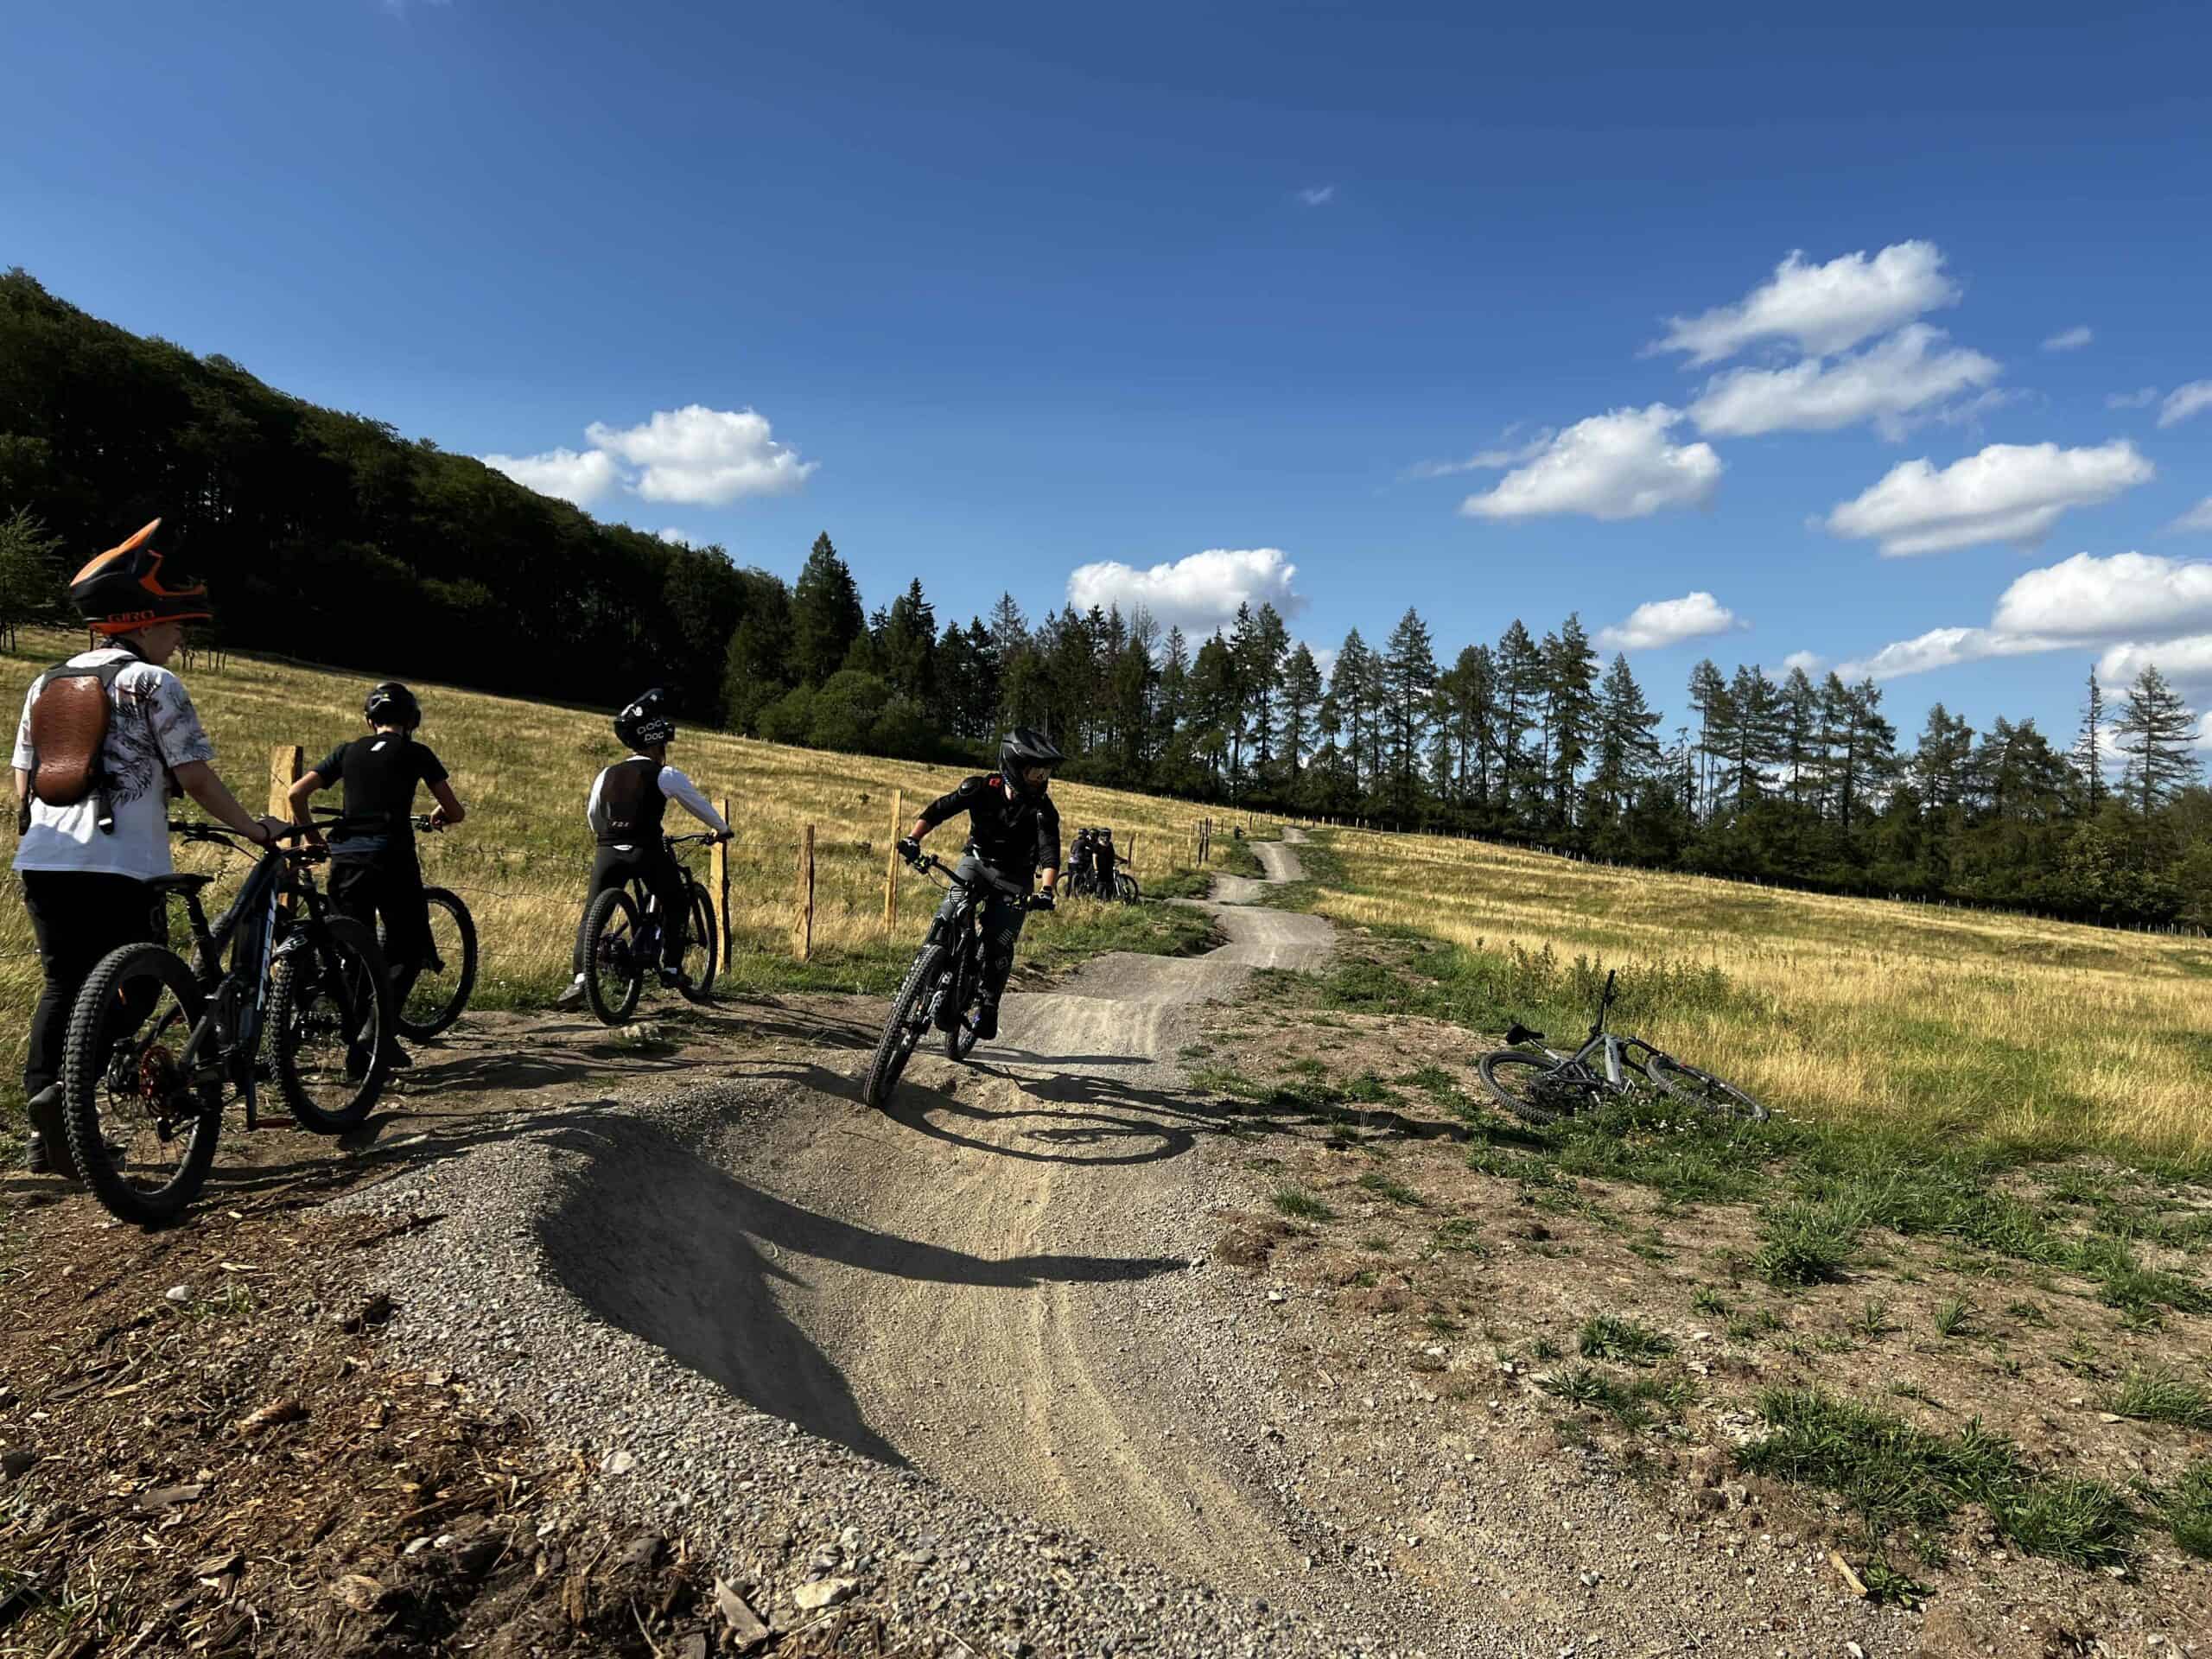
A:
(1125, 887)
(910, 1018)
(1692, 1087)
(962, 989)
(330, 1026)
(699, 942)
(438, 993)
(614, 968)
(142, 1134)
(1537, 1089)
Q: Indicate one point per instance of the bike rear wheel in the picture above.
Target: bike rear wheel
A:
(700, 954)
(910, 1018)
(142, 1137)
(1538, 1089)
(1125, 887)
(440, 991)
(330, 1026)
(1690, 1086)
(614, 968)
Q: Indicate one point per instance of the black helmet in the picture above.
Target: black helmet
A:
(121, 591)
(392, 704)
(1026, 746)
(646, 721)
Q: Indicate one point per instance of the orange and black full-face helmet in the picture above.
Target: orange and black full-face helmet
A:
(122, 591)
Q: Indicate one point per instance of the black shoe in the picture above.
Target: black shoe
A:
(36, 1161)
(986, 1021)
(48, 1152)
(675, 979)
(398, 1059)
(571, 999)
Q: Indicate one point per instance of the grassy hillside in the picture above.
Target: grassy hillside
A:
(1963, 1027)
(523, 769)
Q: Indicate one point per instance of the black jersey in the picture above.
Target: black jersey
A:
(627, 804)
(1017, 838)
(379, 772)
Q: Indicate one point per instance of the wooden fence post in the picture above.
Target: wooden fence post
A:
(1129, 857)
(286, 762)
(803, 939)
(891, 862)
(719, 868)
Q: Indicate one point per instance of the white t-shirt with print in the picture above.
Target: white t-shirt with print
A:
(151, 726)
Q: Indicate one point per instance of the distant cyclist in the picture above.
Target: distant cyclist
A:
(373, 868)
(1013, 831)
(1102, 853)
(628, 800)
(1079, 863)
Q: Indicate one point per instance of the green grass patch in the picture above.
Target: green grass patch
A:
(2188, 1509)
(1301, 1205)
(1457, 1237)
(1608, 1336)
(2159, 1395)
(1809, 1244)
(1396, 1192)
(1630, 1401)
(1896, 1477)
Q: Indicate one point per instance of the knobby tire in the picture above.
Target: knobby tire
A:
(1535, 1089)
(419, 1019)
(300, 982)
(611, 927)
(1691, 1086)
(903, 1030)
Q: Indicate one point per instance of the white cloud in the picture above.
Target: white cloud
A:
(1485, 460)
(1811, 661)
(2185, 401)
(679, 537)
(2129, 595)
(1659, 622)
(566, 474)
(1883, 383)
(704, 457)
(695, 455)
(1325, 658)
(2070, 339)
(1824, 309)
(1618, 464)
(2197, 517)
(1318, 195)
(1199, 593)
(1941, 648)
(2008, 492)
(2187, 662)
(2141, 399)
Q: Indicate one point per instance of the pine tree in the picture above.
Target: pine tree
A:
(1301, 701)
(31, 587)
(826, 614)
(1571, 703)
(1941, 771)
(908, 653)
(1709, 697)
(1409, 680)
(1802, 753)
(1520, 694)
(1627, 752)
(2155, 730)
(1352, 687)
(2089, 749)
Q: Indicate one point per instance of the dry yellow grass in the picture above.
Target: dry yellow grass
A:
(2036, 1035)
(523, 770)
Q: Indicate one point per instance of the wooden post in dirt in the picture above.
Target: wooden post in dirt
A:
(803, 940)
(891, 862)
(286, 762)
(718, 857)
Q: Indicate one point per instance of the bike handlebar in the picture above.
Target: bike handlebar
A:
(928, 862)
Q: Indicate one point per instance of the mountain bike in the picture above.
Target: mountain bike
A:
(438, 993)
(1087, 883)
(1545, 1085)
(945, 983)
(622, 939)
(155, 1043)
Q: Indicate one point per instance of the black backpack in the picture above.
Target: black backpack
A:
(69, 725)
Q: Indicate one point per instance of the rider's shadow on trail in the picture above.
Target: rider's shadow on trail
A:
(659, 1240)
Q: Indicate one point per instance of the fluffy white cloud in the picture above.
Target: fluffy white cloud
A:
(1618, 464)
(1883, 383)
(2185, 401)
(2142, 398)
(2070, 339)
(704, 457)
(2129, 595)
(1668, 622)
(2009, 492)
(2187, 662)
(695, 455)
(1318, 195)
(1941, 648)
(1824, 309)
(679, 537)
(580, 477)
(1811, 661)
(1199, 593)
(2197, 517)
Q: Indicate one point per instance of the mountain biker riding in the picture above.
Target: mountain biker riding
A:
(1013, 831)
(373, 868)
(627, 801)
(85, 864)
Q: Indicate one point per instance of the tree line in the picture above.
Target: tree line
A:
(328, 535)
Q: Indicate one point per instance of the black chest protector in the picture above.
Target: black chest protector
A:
(631, 801)
(381, 771)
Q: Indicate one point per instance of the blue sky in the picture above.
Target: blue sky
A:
(1010, 291)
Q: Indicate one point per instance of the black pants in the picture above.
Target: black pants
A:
(1002, 919)
(79, 917)
(663, 879)
(387, 883)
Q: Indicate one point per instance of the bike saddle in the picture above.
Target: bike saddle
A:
(180, 883)
(1517, 1032)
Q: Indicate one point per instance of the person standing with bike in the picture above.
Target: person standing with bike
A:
(1013, 831)
(627, 804)
(373, 868)
(104, 740)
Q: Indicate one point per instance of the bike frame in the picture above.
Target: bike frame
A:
(1599, 1041)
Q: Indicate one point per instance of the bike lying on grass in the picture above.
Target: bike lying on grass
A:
(438, 994)
(622, 939)
(1541, 1085)
(945, 985)
(155, 1043)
